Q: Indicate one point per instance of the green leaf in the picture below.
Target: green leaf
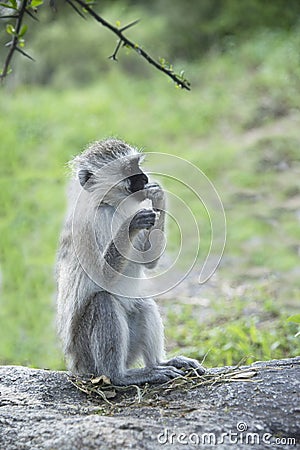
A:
(295, 318)
(23, 30)
(162, 62)
(36, 3)
(12, 4)
(8, 72)
(10, 29)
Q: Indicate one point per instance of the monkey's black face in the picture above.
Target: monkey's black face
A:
(138, 182)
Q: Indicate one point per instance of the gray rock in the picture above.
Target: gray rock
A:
(41, 409)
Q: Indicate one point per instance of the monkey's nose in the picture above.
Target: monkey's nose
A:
(145, 179)
(138, 182)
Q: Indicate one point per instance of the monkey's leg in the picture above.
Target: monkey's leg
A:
(104, 332)
(146, 337)
(99, 337)
(151, 333)
(108, 335)
(152, 339)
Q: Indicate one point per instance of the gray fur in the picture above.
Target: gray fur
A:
(103, 332)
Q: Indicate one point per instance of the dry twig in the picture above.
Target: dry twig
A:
(125, 396)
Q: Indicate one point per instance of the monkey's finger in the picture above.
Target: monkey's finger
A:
(144, 219)
(149, 218)
(198, 368)
(152, 185)
(170, 371)
(181, 362)
(144, 213)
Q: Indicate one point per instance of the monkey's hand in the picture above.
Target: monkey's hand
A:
(155, 193)
(182, 362)
(143, 220)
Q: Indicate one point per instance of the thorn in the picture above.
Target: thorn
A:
(13, 16)
(129, 25)
(24, 53)
(31, 15)
(76, 9)
(114, 55)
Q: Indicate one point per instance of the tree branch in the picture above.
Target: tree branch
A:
(15, 40)
(179, 80)
(24, 8)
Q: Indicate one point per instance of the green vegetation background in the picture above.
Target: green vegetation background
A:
(239, 124)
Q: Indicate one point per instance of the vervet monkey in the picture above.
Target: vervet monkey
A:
(103, 329)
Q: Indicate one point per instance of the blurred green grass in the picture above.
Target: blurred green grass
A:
(239, 125)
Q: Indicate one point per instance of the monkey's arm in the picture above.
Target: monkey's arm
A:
(155, 243)
(117, 253)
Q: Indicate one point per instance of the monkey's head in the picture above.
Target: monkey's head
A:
(110, 171)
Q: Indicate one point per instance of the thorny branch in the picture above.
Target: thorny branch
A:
(82, 7)
(13, 44)
(180, 81)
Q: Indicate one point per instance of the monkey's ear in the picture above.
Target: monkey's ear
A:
(84, 175)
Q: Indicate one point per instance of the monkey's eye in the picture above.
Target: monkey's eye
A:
(84, 175)
(138, 182)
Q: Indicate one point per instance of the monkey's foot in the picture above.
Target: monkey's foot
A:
(153, 375)
(182, 362)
